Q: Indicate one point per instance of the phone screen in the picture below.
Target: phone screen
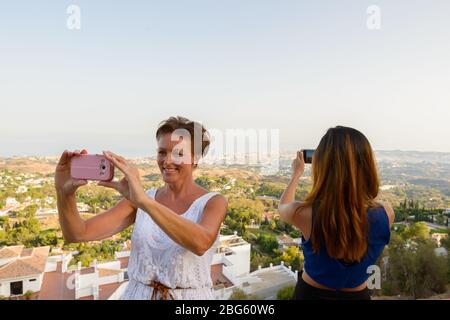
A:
(308, 155)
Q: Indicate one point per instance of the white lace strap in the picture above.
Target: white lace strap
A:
(203, 201)
(199, 203)
(208, 197)
(152, 192)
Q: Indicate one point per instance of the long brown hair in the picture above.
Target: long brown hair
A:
(345, 185)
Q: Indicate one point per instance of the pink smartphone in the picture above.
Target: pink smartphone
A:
(91, 167)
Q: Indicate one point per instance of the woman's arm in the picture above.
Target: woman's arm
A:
(76, 229)
(102, 226)
(196, 237)
(288, 206)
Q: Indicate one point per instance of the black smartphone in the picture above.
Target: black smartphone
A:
(308, 155)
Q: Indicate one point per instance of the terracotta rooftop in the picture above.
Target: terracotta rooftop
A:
(11, 252)
(87, 270)
(269, 215)
(108, 272)
(26, 252)
(124, 262)
(285, 238)
(105, 291)
(33, 263)
(54, 286)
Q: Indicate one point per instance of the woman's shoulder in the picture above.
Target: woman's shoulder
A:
(385, 207)
(215, 199)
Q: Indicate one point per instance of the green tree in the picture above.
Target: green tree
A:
(257, 259)
(46, 238)
(126, 234)
(286, 293)
(3, 238)
(414, 269)
(293, 257)
(4, 222)
(418, 230)
(28, 294)
(446, 243)
(295, 233)
(239, 294)
(245, 210)
(267, 242)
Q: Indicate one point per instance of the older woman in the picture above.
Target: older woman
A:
(175, 227)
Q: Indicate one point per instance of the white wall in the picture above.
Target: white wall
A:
(122, 254)
(4, 288)
(111, 279)
(240, 260)
(51, 265)
(52, 262)
(84, 284)
(27, 285)
(115, 265)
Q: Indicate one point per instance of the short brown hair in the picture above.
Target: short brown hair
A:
(173, 123)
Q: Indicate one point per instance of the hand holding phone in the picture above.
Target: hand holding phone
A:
(308, 155)
(91, 167)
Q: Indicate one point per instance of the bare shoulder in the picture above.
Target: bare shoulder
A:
(215, 209)
(217, 201)
(302, 210)
(303, 218)
(389, 210)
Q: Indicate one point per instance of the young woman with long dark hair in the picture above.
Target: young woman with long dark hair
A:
(344, 228)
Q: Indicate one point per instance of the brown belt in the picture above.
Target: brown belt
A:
(164, 291)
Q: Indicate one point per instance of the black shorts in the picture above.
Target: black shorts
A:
(304, 291)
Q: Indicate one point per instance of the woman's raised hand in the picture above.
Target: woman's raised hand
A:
(65, 185)
(130, 187)
(298, 165)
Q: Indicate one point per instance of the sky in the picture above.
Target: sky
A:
(296, 66)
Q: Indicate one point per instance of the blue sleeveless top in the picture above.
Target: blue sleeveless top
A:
(331, 272)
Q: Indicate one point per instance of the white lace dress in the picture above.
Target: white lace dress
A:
(156, 257)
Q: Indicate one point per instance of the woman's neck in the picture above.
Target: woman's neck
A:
(180, 188)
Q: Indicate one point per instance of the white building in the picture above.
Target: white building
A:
(12, 202)
(5, 211)
(89, 280)
(21, 270)
(33, 270)
(43, 213)
(441, 252)
(21, 189)
(438, 237)
(234, 254)
(49, 200)
(285, 241)
(83, 207)
(99, 281)
(233, 261)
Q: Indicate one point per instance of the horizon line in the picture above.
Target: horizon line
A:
(281, 152)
